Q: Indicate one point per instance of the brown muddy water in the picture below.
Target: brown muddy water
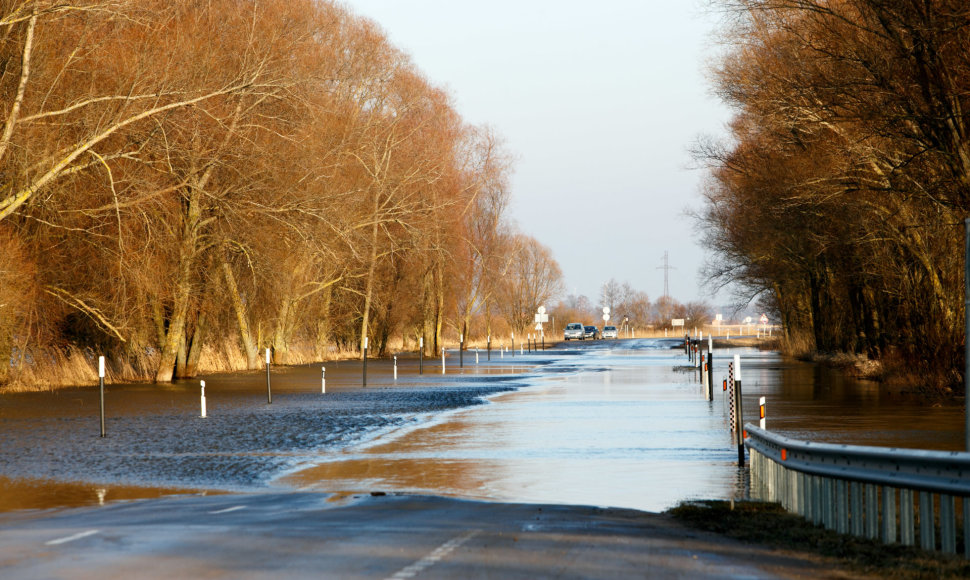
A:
(612, 423)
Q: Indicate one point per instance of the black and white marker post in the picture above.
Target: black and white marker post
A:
(365, 363)
(421, 355)
(710, 368)
(269, 392)
(101, 389)
(738, 415)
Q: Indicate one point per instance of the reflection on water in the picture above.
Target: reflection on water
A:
(41, 494)
(816, 403)
(613, 430)
(614, 423)
(625, 424)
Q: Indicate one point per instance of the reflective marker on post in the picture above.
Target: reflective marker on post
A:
(442, 360)
(323, 379)
(202, 383)
(761, 403)
(395, 367)
(421, 355)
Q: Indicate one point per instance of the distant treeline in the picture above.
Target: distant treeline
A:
(185, 183)
(841, 195)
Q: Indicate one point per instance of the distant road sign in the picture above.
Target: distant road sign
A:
(677, 322)
(541, 310)
(606, 317)
(763, 319)
(606, 310)
(540, 318)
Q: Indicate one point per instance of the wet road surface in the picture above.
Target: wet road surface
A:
(615, 424)
(299, 535)
(611, 423)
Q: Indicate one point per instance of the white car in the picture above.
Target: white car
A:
(574, 330)
(609, 332)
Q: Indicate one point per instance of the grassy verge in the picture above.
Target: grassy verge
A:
(769, 525)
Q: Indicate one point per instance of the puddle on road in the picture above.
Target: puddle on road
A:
(30, 494)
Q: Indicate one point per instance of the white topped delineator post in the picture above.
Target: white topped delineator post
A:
(101, 390)
(202, 401)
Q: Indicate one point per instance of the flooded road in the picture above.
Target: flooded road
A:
(607, 423)
(625, 424)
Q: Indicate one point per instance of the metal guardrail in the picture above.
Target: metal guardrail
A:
(861, 489)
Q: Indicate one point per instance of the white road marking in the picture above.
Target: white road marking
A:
(227, 510)
(77, 536)
(431, 559)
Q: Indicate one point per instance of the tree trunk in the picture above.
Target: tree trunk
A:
(281, 334)
(369, 289)
(195, 348)
(439, 314)
(181, 356)
(242, 320)
(175, 334)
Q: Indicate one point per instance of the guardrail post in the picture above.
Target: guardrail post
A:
(948, 527)
(842, 506)
(818, 501)
(907, 521)
(872, 511)
(888, 515)
(855, 502)
(828, 503)
(966, 526)
(927, 527)
(800, 491)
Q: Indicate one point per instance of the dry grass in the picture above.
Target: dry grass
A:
(769, 524)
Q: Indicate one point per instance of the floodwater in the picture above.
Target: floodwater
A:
(612, 423)
(626, 424)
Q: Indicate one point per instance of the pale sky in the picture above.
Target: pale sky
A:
(599, 102)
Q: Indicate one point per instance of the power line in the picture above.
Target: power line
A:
(666, 268)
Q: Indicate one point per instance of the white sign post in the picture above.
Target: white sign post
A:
(541, 317)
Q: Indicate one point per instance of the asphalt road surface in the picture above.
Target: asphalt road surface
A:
(315, 535)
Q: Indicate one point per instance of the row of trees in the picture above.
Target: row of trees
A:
(631, 307)
(841, 196)
(182, 184)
